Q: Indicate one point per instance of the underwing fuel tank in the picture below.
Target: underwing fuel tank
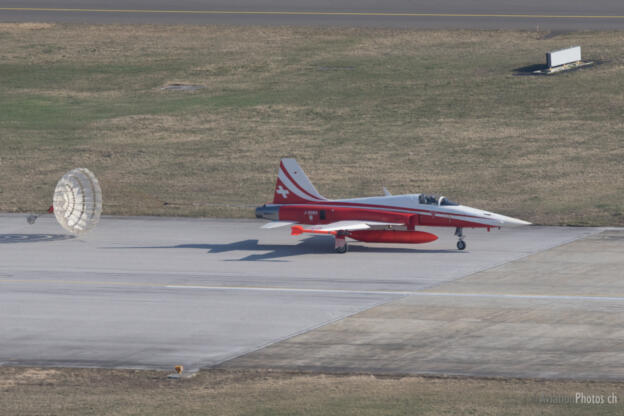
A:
(389, 236)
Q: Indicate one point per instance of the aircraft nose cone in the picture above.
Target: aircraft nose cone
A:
(512, 222)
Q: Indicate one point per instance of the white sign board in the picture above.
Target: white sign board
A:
(563, 56)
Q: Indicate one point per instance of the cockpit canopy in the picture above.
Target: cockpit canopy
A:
(434, 200)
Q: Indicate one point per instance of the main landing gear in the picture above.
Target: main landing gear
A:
(461, 244)
(341, 242)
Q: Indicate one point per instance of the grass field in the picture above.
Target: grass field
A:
(32, 391)
(434, 111)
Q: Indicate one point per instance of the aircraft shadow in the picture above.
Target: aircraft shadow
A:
(32, 238)
(278, 252)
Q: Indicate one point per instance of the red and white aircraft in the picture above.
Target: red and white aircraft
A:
(383, 219)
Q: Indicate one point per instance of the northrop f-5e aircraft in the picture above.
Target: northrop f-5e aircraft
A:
(383, 219)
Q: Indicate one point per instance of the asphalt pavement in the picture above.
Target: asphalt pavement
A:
(552, 15)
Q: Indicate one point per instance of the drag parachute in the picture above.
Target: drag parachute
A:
(78, 201)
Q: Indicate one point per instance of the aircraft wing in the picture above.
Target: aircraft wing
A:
(349, 225)
(331, 228)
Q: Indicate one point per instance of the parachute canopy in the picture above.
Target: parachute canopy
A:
(78, 201)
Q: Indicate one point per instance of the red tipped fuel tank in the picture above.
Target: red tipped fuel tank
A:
(389, 236)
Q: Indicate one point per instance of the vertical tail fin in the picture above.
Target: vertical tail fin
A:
(293, 186)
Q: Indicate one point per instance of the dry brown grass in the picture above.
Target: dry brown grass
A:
(125, 392)
(415, 111)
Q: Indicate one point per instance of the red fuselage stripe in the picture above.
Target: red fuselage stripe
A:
(380, 207)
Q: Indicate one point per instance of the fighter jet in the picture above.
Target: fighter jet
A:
(380, 219)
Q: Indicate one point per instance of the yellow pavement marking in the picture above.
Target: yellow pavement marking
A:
(311, 13)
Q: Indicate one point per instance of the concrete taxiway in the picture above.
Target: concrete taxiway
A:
(440, 14)
(156, 292)
(554, 314)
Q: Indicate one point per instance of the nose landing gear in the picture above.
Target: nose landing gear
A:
(461, 244)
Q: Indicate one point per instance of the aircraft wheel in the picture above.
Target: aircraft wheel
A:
(342, 249)
(461, 245)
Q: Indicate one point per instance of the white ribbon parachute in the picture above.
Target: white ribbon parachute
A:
(78, 201)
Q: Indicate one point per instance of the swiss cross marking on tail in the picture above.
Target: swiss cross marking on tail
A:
(283, 192)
